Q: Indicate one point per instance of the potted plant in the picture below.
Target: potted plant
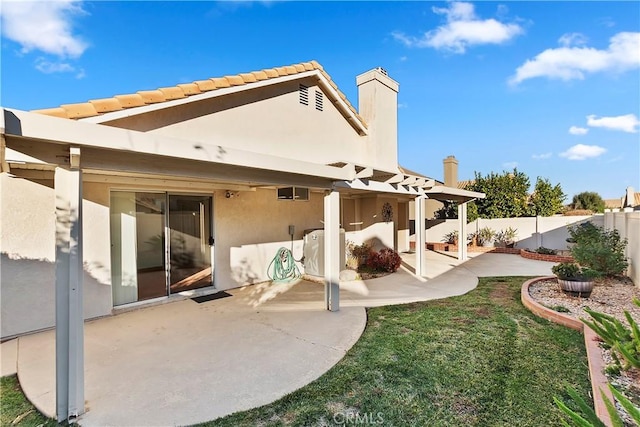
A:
(485, 236)
(574, 279)
(451, 237)
(507, 237)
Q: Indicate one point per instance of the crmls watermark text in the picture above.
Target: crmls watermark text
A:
(355, 418)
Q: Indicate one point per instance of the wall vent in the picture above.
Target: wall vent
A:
(304, 95)
(319, 100)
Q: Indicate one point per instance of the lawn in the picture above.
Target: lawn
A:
(479, 359)
(16, 409)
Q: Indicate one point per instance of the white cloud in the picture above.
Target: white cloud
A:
(627, 123)
(542, 156)
(43, 25)
(510, 165)
(582, 152)
(573, 62)
(48, 67)
(572, 39)
(463, 29)
(575, 130)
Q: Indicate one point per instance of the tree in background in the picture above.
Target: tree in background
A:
(506, 195)
(588, 200)
(546, 199)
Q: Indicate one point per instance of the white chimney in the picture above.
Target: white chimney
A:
(378, 106)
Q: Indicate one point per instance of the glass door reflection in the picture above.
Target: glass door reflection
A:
(190, 242)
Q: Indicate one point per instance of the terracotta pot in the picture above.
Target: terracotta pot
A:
(577, 288)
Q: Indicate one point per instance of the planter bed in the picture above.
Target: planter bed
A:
(545, 257)
(448, 247)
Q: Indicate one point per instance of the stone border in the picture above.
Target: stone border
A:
(596, 364)
(544, 257)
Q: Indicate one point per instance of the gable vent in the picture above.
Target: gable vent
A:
(319, 99)
(304, 95)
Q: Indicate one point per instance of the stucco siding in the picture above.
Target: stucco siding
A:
(251, 227)
(268, 120)
(27, 273)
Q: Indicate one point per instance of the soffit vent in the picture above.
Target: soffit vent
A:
(319, 100)
(304, 95)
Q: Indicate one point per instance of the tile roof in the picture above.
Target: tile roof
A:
(613, 203)
(462, 185)
(96, 107)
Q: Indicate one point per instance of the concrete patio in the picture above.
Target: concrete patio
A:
(184, 362)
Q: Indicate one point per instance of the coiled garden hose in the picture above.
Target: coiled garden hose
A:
(283, 267)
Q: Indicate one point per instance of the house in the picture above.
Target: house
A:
(186, 190)
(630, 201)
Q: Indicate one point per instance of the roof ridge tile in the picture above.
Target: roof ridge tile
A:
(144, 97)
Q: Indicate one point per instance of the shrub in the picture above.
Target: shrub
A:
(486, 235)
(598, 249)
(572, 271)
(359, 251)
(451, 237)
(385, 260)
(545, 251)
(507, 236)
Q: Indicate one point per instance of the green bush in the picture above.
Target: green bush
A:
(451, 237)
(598, 249)
(545, 251)
(572, 271)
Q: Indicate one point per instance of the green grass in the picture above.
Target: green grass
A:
(16, 408)
(480, 359)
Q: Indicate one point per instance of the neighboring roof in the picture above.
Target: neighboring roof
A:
(635, 201)
(464, 184)
(443, 193)
(96, 107)
(613, 203)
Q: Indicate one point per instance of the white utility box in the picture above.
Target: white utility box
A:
(313, 251)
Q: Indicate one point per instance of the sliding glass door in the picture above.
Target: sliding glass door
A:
(160, 244)
(191, 241)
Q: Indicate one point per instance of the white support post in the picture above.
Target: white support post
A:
(332, 251)
(462, 232)
(420, 235)
(69, 270)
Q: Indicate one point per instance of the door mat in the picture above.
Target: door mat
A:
(205, 298)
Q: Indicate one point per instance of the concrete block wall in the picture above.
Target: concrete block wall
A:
(628, 225)
(533, 232)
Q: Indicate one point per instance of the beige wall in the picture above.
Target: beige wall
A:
(362, 219)
(27, 273)
(251, 227)
(267, 120)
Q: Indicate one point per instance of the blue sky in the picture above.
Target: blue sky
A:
(550, 87)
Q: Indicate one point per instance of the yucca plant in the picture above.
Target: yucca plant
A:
(622, 340)
(588, 417)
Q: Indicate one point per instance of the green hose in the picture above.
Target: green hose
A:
(284, 267)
